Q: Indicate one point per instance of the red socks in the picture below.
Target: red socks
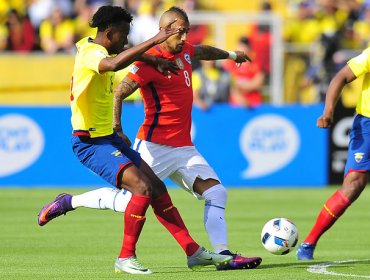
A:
(332, 210)
(134, 219)
(170, 217)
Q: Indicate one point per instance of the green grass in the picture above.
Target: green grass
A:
(84, 243)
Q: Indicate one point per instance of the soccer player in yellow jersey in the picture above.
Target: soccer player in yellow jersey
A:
(356, 173)
(103, 151)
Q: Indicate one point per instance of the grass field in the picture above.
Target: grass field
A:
(84, 243)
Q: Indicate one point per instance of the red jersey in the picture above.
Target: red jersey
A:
(167, 100)
(245, 72)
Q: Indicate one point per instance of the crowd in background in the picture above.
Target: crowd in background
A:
(319, 36)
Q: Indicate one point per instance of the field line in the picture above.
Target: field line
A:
(322, 268)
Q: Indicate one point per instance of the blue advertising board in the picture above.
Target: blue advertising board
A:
(266, 146)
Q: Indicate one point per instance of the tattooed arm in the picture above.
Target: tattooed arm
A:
(204, 52)
(122, 91)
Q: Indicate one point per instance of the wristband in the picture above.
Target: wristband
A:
(232, 55)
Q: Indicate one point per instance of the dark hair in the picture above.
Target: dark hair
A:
(244, 40)
(107, 16)
(179, 12)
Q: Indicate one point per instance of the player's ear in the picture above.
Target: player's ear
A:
(109, 33)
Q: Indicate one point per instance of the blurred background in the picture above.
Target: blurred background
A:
(262, 115)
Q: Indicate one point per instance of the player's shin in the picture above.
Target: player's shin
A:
(170, 217)
(134, 219)
(332, 210)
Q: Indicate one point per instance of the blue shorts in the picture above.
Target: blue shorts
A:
(358, 158)
(105, 156)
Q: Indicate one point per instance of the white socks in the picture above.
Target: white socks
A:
(214, 216)
(103, 198)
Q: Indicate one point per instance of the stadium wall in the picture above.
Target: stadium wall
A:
(277, 146)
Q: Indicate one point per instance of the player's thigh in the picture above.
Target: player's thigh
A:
(161, 159)
(358, 158)
(102, 157)
(192, 165)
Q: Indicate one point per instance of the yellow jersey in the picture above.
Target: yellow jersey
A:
(360, 65)
(91, 92)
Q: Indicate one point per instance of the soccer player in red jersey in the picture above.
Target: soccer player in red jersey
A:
(164, 141)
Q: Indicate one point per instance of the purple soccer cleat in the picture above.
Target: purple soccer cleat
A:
(239, 262)
(59, 206)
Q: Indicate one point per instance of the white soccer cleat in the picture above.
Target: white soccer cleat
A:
(202, 258)
(130, 265)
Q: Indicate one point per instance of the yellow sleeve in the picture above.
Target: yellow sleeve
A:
(92, 57)
(360, 64)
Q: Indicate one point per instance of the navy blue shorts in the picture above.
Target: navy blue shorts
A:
(358, 158)
(105, 156)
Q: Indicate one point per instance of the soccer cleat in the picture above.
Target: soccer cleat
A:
(239, 262)
(130, 265)
(59, 206)
(202, 257)
(305, 251)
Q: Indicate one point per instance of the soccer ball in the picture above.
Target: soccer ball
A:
(279, 236)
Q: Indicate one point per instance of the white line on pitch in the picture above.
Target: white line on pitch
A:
(322, 268)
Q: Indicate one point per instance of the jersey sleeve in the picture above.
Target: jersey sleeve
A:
(92, 57)
(141, 73)
(360, 64)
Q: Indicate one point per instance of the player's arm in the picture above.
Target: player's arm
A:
(127, 56)
(205, 52)
(163, 66)
(123, 90)
(343, 77)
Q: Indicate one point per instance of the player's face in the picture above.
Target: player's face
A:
(118, 37)
(175, 43)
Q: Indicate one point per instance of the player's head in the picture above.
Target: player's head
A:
(175, 43)
(113, 24)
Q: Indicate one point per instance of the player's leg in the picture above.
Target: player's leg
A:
(353, 184)
(114, 161)
(355, 180)
(169, 216)
(103, 198)
(196, 176)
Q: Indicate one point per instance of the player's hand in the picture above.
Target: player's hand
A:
(124, 137)
(165, 32)
(324, 121)
(241, 57)
(166, 67)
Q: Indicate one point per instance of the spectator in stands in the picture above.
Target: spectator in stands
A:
(57, 33)
(248, 79)
(301, 30)
(362, 26)
(84, 12)
(145, 25)
(260, 42)
(211, 84)
(3, 36)
(21, 35)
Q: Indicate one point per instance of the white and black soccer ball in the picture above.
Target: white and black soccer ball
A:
(279, 236)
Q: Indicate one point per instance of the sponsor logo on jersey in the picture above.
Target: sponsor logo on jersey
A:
(187, 58)
(179, 63)
(359, 157)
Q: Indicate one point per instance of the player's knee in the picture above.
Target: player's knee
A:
(217, 195)
(141, 186)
